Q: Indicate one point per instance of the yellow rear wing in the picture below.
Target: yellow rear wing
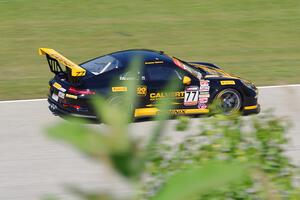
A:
(51, 55)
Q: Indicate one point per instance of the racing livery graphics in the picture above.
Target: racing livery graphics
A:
(200, 84)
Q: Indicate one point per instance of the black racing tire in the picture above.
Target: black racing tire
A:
(228, 101)
(119, 100)
(115, 100)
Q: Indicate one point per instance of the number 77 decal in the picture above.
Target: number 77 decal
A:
(191, 96)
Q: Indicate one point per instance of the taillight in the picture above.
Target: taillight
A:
(73, 90)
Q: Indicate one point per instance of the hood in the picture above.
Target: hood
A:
(211, 72)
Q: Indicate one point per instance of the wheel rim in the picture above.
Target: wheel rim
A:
(115, 100)
(229, 101)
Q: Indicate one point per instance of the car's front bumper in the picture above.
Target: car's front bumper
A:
(248, 110)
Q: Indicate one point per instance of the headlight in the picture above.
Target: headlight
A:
(249, 85)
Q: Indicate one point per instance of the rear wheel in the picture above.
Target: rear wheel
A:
(118, 100)
(228, 101)
(115, 100)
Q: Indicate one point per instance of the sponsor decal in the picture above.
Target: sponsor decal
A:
(191, 88)
(150, 105)
(126, 78)
(177, 112)
(187, 111)
(62, 89)
(179, 64)
(123, 78)
(204, 88)
(129, 77)
(191, 95)
(119, 89)
(71, 96)
(204, 82)
(203, 100)
(141, 112)
(204, 95)
(54, 97)
(211, 76)
(202, 106)
(141, 91)
(61, 94)
(187, 68)
(59, 87)
(158, 95)
(56, 85)
(228, 82)
(154, 62)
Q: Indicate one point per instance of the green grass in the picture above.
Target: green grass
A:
(255, 39)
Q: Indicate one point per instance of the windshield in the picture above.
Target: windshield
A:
(101, 65)
(209, 70)
(187, 67)
(214, 71)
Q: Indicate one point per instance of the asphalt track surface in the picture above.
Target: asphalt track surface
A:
(33, 166)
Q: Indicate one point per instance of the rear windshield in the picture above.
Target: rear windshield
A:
(101, 65)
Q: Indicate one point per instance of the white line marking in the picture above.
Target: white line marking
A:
(278, 86)
(22, 101)
(36, 100)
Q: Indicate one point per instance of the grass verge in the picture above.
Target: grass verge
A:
(255, 39)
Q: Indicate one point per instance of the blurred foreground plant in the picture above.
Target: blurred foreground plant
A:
(257, 143)
(208, 165)
(221, 162)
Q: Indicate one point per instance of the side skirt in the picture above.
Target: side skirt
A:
(149, 112)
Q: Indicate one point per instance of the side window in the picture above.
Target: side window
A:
(101, 65)
(162, 73)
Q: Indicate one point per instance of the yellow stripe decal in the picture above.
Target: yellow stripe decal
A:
(76, 70)
(147, 112)
(71, 96)
(119, 89)
(195, 111)
(57, 85)
(250, 107)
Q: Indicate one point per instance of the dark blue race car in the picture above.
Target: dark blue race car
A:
(200, 84)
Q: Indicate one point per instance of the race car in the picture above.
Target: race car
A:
(200, 84)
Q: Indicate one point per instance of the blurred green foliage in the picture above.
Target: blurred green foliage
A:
(123, 154)
(255, 39)
(194, 181)
(257, 143)
(231, 157)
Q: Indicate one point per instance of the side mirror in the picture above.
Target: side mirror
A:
(186, 80)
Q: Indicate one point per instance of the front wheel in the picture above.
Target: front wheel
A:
(228, 101)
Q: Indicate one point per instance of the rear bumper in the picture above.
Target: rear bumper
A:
(58, 110)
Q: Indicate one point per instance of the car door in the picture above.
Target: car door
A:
(157, 78)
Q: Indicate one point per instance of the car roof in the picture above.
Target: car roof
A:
(146, 55)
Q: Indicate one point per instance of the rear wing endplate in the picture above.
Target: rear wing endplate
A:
(55, 59)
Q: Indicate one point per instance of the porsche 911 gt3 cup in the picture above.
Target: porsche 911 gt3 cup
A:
(201, 84)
